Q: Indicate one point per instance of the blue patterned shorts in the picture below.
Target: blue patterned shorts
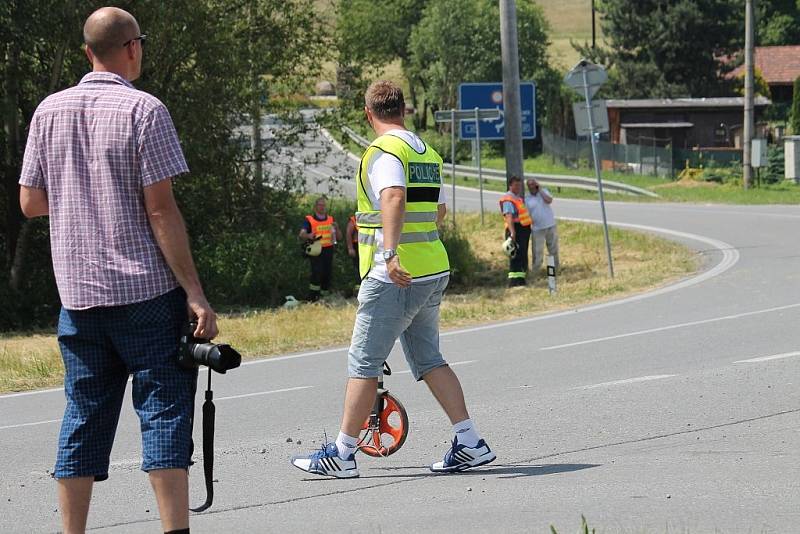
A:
(101, 348)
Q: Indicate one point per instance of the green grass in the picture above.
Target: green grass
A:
(30, 360)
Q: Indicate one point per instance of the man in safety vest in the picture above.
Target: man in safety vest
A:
(404, 269)
(321, 227)
(518, 228)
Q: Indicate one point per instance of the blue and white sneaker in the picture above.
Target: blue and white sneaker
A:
(326, 462)
(460, 457)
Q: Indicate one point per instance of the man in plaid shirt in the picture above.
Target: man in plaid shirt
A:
(99, 161)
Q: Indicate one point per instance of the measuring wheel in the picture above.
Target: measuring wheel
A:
(385, 431)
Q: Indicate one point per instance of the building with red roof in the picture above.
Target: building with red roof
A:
(780, 67)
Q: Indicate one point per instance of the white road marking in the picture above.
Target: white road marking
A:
(298, 388)
(31, 424)
(451, 364)
(672, 327)
(730, 256)
(625, 381)
(768, 358)
(28, 393)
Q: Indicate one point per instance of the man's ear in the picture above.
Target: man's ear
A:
(89, 55)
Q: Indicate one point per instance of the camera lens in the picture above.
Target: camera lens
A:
(220, 358)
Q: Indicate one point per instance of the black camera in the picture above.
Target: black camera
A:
(194, 351)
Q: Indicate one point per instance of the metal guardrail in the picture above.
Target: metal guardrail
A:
(553, 180)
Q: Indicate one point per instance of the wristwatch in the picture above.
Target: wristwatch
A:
(388, 254)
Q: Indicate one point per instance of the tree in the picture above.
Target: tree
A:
(369, 36)
(778, 22)
(794, 117)
(459, 41)
(663, 49)
(208, 61)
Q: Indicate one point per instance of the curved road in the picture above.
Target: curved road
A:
(676, 411)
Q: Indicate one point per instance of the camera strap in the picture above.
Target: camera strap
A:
(209, 412)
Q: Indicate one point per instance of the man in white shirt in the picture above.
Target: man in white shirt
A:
(405, 271)
(544, 224)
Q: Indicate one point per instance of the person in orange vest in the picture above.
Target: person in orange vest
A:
(351, 235)
(321, 227)
(518, 228)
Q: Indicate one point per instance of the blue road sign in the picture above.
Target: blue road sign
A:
(490, 95)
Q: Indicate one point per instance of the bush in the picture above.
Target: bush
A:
(775, 164)
(463, 264)
(36, 303)
(441, 143)
(260, 268)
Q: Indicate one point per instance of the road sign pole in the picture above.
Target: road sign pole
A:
(597, 171)
(478, 152)
(453, 159)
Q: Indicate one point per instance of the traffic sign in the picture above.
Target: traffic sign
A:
(490, 95)
(586, 74)
(599, 117)
(465, 114)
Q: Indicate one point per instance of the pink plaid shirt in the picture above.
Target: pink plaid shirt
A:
(93, 148)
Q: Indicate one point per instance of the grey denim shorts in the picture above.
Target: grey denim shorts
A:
(386, 312)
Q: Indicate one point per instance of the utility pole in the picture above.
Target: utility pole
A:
(511, 99)
(593, 30)
(747, 137)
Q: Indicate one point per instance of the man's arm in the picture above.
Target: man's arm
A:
(351, 234)
(33, 202)
(338, 232)
(510, 225)
(393, 207)
(170, 233)
(546, 196)
(441, 212)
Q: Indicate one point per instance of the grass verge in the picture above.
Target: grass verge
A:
(31, 360)
(668, 190)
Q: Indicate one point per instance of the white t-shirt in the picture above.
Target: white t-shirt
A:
(385, 170)
(540, 211)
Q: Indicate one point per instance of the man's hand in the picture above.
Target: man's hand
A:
(397, 274)
(200, 309)
(351, 251)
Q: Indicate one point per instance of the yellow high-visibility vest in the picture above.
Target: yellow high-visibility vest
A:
(420, 250)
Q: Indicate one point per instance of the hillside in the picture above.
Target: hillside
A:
(568, 19)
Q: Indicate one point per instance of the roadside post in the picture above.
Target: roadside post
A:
(591, 118)
(758, 157)
(453, 115)
(551, 273)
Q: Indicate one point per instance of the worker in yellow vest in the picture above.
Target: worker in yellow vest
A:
(518, 224)
(404, 270)
(320, 227)
(351, 236)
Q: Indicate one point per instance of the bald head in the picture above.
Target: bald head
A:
(107, 29)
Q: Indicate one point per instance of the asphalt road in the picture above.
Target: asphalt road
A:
(673, 411)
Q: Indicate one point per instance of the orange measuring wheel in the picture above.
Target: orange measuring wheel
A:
(385, 431)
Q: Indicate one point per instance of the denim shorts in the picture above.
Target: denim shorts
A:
(386, 312)
(101, 347)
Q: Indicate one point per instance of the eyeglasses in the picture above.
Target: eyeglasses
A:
(142, 38)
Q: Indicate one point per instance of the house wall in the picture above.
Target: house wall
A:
(712, 127)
